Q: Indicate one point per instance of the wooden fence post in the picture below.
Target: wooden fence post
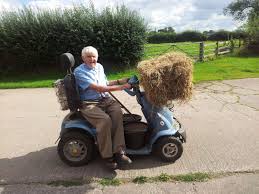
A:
(201, 56)
(217, 49)
(232, 45)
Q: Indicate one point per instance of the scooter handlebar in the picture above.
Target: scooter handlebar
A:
(134, 82)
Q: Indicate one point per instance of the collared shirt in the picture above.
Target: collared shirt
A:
(85, 76)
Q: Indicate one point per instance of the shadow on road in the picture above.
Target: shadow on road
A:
(44, 166)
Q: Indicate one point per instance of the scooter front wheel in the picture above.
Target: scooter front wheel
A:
(75, 148)
(169, 148)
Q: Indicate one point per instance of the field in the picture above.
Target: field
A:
(153, 50)
(227, 67)
(192, 49)
(224, 67)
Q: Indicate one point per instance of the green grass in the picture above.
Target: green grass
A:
(191, 177)
(29, 80)
(162, 178)
(119, 75)
(154, 50)
(110, 182)
(190, 48)
(140, 180)
(228, 67)
(224, 67)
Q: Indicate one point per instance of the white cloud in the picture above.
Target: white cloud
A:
(181, 15)
(4, 6)
(48, 4)
(7, 5)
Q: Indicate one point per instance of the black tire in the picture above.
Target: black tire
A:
(169, 149)
(75, 148)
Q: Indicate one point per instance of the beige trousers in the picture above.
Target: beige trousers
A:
(106, 117)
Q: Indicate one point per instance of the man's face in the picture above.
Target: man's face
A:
(90, 59)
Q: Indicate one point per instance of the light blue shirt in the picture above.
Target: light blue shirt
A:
(85, 76)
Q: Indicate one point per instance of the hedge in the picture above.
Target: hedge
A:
(33, 40)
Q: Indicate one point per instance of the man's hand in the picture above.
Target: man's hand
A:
(124, 80)
(126, 86)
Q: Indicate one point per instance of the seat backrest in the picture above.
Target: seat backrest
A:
(72, 93)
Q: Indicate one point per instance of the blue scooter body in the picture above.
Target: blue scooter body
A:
(159, 119)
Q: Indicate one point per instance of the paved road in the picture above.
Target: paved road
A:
(222, 122)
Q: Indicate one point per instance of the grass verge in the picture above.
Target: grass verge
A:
(110, 182)
(187, 178)
(225, 67)
(191, 177)
(229, 67)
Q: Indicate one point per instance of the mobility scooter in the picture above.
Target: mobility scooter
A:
(161, 133)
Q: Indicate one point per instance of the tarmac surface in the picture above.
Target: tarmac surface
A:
(221, 120)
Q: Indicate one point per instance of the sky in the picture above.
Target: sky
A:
(182, 15)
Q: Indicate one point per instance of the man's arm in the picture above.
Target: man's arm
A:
(109, 88)
(118, 81)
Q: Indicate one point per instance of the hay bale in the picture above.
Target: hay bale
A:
(166, 78)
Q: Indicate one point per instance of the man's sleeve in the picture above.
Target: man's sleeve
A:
(82, 80)
(105, 77)
(107, 81)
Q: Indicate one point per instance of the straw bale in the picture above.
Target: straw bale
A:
(166, 78)
(60, 93)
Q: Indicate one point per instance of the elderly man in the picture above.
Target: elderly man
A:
(99, 109)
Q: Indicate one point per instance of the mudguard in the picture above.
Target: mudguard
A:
(81, 125)
(169, 132)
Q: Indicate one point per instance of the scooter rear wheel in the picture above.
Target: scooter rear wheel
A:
(169, 149)
(75, 148)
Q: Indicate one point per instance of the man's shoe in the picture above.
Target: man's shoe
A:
(111, 163)
(122, 159)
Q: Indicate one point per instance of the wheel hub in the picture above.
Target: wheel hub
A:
(75, 150)
(170, 150)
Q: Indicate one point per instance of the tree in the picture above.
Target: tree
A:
(220, 35)
(190, 35)
(253, 31)
(208, 33)
(167, 29)
(242, 9)
(246, 10)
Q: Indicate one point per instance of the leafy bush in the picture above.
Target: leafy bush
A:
(161, 37)
(166, 37)
(33, 40)
(220, 35)
(190, 36)
(239, 34)
(253, 30)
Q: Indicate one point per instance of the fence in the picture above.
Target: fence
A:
(201, 51)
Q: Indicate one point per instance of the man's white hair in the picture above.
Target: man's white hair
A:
(89, 50)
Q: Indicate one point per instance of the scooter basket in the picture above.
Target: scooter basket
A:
(135, 135)
(131, 118)
(61, 93)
